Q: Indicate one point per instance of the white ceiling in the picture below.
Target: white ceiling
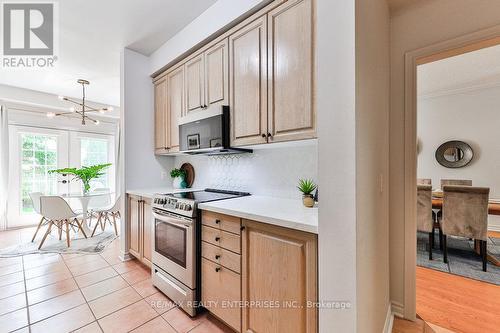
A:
(474, 70)
(92, 35)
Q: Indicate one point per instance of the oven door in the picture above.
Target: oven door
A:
(174, 246)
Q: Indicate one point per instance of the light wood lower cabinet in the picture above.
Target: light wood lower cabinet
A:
(278, 275)
(278, 265)
(140, 224)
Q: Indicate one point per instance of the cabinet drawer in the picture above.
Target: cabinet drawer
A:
(221, 238)
(221, 292)
(221, 221)
(221, 256)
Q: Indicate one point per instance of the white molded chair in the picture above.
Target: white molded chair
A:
(59, 213)
(103, 216)
(35, 199)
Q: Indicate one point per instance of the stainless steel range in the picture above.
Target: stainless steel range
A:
(177, 244)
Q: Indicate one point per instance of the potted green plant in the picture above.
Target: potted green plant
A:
(307, 186)
(179, 178)
(85, 174)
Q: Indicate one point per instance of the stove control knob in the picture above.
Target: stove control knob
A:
(181, 206)
(188, 207)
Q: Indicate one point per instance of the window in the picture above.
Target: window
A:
(95, 151)
(38, 156)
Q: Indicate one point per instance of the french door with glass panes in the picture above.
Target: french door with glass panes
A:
(35, 151)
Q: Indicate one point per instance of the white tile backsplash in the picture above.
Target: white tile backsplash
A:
(270, 171)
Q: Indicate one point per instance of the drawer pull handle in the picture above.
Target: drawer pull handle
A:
(217, 239)
(217, 257)
(217, 221)
(217, 269)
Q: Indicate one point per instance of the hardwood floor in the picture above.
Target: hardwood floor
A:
(456, 303)
(86, 293)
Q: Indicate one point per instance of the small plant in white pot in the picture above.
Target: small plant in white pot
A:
(307, 187)
(179, 178)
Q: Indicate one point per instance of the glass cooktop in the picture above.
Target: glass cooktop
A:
(208, 195)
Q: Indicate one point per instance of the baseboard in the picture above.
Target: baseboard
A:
(397, 309)
(126, 256)
(389, 320)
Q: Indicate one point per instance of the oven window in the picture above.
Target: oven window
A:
(170, 241)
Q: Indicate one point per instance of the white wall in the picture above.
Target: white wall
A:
(271, 171)
(372, 164)
(423, 24)
(471, 117)
(215, 18)
(142, 168)
(335, 100)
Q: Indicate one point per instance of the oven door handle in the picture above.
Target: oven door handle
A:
(172, 220)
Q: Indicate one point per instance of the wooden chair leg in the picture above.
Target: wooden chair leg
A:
(445, 249)
(46, 234)
(431, 243)
(96, 225)
(38, 228)
(114, 223)
(80, 227)
(484, 253)
(67, 232)
(59, 226)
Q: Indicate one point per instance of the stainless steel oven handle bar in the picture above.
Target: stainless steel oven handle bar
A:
(172, 219)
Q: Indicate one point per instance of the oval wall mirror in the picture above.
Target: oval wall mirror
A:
(454, 154)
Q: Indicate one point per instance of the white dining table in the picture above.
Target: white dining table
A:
(84, 199)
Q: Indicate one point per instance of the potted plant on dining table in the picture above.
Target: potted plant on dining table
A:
(85, 174)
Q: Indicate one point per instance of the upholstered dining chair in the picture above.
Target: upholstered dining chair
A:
(424, 181)
(104, 216)
(35, 199)
(460, 182)
(425, 221)
(465, 214)
(60, 214)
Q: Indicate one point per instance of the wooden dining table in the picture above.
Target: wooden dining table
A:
(493, 209)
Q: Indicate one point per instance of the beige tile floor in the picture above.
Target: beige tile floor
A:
(86, 293)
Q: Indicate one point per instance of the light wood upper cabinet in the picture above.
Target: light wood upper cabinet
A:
(291, 71)
(288, 275)
(160, 118)
(175, 106)
(195, 83)
(133, 218)
(248, 84)
(216, 75)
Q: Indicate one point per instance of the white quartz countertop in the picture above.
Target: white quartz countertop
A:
(288, 213)
(150, 192)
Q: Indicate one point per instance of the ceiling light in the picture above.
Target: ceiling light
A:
(61, 98)
(97, 122)
(109, 108)
(51, 114)
(72, 109)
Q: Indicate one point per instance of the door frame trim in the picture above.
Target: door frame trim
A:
(452, 47)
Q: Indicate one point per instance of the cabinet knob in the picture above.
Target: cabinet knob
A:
(269, 135)
(217, 221)
(242, 228)
(217, 269)
(217, 239)
(217, 257)
(263, 135)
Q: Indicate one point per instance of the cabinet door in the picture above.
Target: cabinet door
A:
(160, 115)
(147, 232)
(175, 106)
(291, 71)
(134, 221)
(195, 83)
(248, 84)
(216, 75)
(288, 276)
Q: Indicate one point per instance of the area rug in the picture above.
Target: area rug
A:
(462, 260)
(79, 244)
